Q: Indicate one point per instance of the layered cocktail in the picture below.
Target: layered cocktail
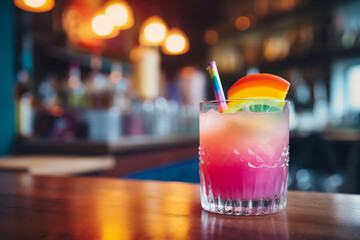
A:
(244, 159)
(244, 156)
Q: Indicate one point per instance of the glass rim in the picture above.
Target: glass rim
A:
(245, 100)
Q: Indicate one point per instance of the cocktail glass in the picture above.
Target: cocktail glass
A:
(244, 157)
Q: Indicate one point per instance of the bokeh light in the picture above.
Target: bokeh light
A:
(211, 37)
(176, 42)
(135, 53)
(35, 5)
(102, 26)
(153, 31)
(120, 14)
(242, 23)
(56, 111)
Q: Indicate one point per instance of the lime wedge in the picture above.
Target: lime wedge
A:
(264, 108)
(258, 107)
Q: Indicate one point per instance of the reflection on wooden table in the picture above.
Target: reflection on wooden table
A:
(35, 207)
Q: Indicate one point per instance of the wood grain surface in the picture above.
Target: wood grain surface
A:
(38, 207)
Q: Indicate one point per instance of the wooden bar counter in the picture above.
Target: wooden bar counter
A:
(39, 207)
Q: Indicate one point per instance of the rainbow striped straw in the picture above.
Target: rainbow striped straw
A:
(219, 93)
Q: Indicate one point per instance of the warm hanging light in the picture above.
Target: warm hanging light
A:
(120, 14)
(103, 27)
(35, 5)
(153, 31)
(176, 42)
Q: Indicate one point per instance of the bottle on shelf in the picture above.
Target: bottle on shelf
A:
(48, 91)
(76, 90)
(24, 105)
(108, 100)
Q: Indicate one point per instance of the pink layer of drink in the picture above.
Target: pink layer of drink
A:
(244, 156)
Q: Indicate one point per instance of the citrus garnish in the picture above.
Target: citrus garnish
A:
(263, 86)
(259, 86)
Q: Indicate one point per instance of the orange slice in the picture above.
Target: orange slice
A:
(259, 86)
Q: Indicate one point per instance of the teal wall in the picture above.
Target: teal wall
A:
(7, 76)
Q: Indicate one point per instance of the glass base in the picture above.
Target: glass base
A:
(241, 207)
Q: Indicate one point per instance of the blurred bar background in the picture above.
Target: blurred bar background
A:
(122, 81)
